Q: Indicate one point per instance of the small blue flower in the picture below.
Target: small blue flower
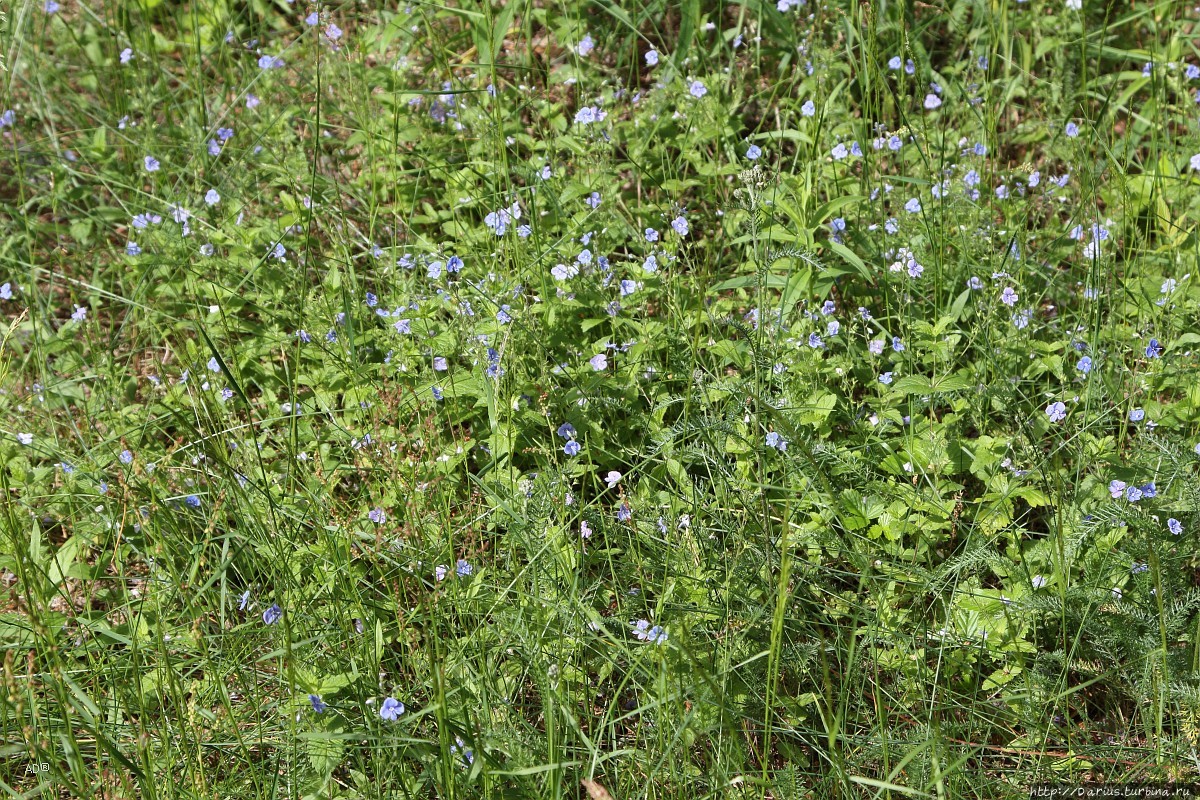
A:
(462, 568)
(440, 364)
(391, 709)
(1154, 349)
(243, 600)
(1116, 489)
(572, 448)
(680, 225)
(1137, 415)
(753, 152)
(776, 441)
(885, 378)
(1174, 526)
(318, 705)
(272, 614)
(897, 345)
(1084, 365)
(192, 500)
(697, 89)
(1056, 412)
(1133, 494)
(151, 164)
(460, 748)
(1149, 490)
(454, 264)
(624, 513)
(376, 515)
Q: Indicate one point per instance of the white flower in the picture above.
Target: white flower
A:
(1074, 5)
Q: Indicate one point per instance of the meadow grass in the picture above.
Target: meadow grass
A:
(596, 399)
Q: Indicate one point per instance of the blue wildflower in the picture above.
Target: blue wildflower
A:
(391, 709)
